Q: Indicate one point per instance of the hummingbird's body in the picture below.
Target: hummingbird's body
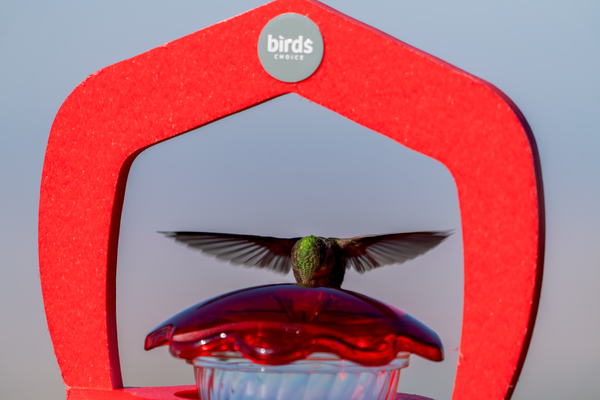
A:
(315, 261)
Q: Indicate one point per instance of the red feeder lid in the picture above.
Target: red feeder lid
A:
(279, 324)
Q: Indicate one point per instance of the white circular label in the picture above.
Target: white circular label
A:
(290, 47)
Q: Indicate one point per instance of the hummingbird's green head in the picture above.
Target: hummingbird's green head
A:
(308, 255)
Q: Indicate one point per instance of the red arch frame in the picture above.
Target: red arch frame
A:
(366, 76)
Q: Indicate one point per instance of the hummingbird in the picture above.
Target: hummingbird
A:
(316, 261)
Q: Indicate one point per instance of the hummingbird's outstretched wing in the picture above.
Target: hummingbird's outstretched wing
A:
(253, 251)
(364, 253)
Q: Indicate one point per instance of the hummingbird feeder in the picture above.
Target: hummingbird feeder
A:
(287, 341)
(307, 48)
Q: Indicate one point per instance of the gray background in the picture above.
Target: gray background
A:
(257, 173)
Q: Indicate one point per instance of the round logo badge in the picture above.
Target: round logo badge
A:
(290, 47)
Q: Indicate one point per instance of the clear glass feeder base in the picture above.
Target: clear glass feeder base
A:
(319, 377)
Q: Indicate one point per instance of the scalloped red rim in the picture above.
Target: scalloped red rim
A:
(279, 324)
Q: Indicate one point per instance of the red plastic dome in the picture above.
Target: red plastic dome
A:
(279, 324)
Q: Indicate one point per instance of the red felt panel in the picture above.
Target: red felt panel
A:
(366, 76)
